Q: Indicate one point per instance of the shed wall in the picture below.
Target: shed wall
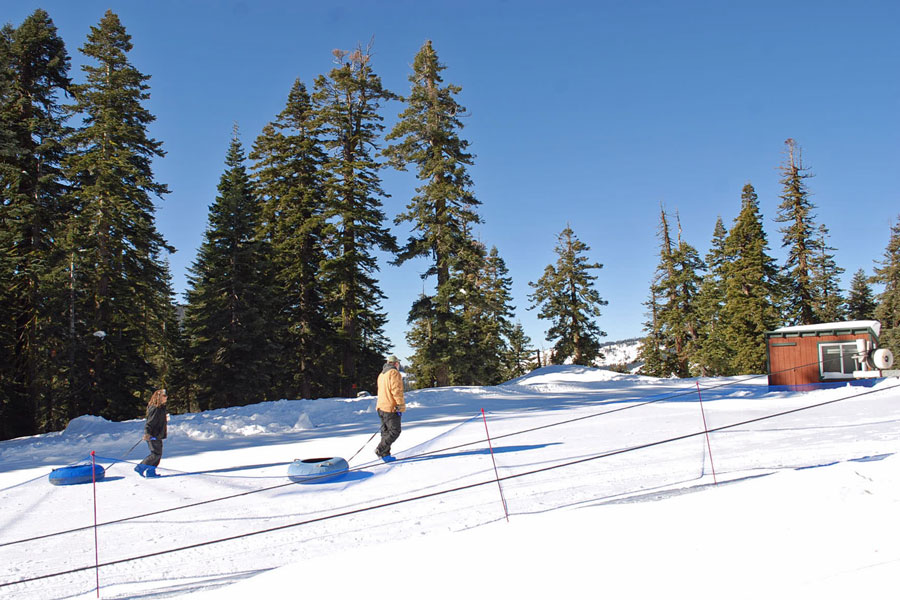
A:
(795, 360)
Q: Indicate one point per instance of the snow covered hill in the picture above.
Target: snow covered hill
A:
(621, 356)
(621, 353)
(593, 484)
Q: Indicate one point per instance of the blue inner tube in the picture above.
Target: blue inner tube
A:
(77, 474)
(313, 470)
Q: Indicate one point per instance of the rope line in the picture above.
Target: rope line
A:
(450, 490)
(212, 500)
(351, 470)
(664, 397)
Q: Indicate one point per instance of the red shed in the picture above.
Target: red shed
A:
(809, 354)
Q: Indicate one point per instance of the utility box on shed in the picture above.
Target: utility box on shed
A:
(826, 352)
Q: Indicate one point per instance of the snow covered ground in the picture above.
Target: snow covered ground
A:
(610, 485)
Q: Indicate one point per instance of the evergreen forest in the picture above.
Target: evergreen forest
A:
(284, 299)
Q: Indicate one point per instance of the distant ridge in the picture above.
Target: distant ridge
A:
(621, 353)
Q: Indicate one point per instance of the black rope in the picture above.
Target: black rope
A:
(349, 460)
(665, 397)
(311, 479)
(448, 491)
(695, 434)
(124, 456)
(351, 470)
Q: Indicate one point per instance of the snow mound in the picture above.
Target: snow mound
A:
(282, 416)
(86, 425)
(569, 377)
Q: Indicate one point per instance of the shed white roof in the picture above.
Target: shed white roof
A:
(875, 326)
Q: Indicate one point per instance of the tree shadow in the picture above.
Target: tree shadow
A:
(477, 452)
(234, 469)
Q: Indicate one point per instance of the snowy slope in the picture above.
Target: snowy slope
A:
(622, 352)
(607, 479)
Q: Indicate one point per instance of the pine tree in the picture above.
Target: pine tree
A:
(421, 336)
(465, 286)
(167, 356)
(498, 315)
(888, 310)
(655, 351)
(347, 102)
(751, 283)
(660, 350)
(566, 296)
(226, 321)
(798, 237)
(677, 286)
(519, 357)
(33, 73)
(828, 303)
(443, 210)
(119, 279)
(288, 159)
(484, 323)
(713, 356)
(861, 302)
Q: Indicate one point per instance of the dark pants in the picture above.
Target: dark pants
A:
(155, 453)
(390, 431)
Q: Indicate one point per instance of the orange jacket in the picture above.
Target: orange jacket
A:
(390, 390)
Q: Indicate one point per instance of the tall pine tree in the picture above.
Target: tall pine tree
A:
(442, 212)
(566, 296)
(796, 210)
(347, 101)
(751, 285)
(120, 288)
(227, 325)
(677, 286)
(288, 159)
(713, 357)
(33, 74)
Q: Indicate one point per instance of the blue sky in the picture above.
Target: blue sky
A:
(591, 114)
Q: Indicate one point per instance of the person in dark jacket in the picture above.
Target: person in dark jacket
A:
(390, 405)
(155, 428)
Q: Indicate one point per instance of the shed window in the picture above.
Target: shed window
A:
(838, 360)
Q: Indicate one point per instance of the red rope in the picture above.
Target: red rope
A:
(96, 545)
(496, 474)
(706, 430)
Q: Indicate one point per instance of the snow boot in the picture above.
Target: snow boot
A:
(141, 469)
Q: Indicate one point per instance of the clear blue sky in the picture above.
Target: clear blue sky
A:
(583, 113)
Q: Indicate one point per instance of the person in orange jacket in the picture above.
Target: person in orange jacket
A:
(390, 405)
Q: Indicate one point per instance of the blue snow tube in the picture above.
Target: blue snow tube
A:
(314, 470)
(77, 474)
